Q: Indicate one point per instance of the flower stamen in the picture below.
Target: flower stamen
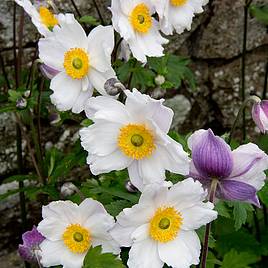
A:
(141, 19)
(77, 238)
(76, 63)
(136, 141)
(48, 18)
(178, 3)
(165, 224)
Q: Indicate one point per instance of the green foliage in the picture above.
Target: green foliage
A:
(89, 20)
(260, 12)
(234, 259)
(117, 206)
(96, 259)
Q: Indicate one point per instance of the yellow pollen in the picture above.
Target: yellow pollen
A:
(77, 238)
(76, 63)
(165, 224)
(178, 3)
(136, 141)
(141, 19)
(48, 18)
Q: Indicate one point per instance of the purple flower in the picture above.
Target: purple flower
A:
(260, 115)
(240, 173)
(29, 248)
(48, 71)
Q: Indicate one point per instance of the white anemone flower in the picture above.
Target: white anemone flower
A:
(177, 14)
(133, 20)
(132, 136)
(83, 62)
(160, 228)
(70, 230)
(41, 16)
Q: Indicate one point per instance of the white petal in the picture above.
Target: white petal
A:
(141, 233)
(196, 216)
(103, 164)
(122, 234)
(182, 252)
(186, 194)
(100, 47)
(52, 228)
(144, 254)
(89, 208)
(66, 91)
(135, 176)
(106, 108)
(65, 211)
(81, 100)
(51, 252)
(143, 106)
(249, 165)
(100, 138)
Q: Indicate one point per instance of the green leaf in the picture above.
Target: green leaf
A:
(238, 260)
(89, 20)
(240, 212)
(260, 13)
(263, 194)
(222, 209)
(95, 259)
(117, 206)
(201, 234)
(7, 108)
(20, 178)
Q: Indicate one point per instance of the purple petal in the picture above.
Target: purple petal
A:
(211, 155)
(48, 71)
(264, 106)
(256, 116)
(32, 238)
(26, 254)
(236, 190)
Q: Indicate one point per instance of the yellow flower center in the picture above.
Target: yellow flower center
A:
(48, 18)
(141, 19)
(77, 238)
(136, 141)
(76, 63)
(165, 224)
(178, 3)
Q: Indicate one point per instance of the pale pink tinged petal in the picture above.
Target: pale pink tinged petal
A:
(182, 252)
(250, 162)
(65, 91)
(144, 254)
(104, 164)
(198, 215)
(100, 138)
(186, 194)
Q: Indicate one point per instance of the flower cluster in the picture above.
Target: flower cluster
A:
(133, 135)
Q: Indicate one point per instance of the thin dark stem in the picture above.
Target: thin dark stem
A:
(39, 114)
(96, 4)
(257, 226)
(211, 198)
(30, 76)
(240, 112)
(114, 54)
(264, 93)
(15, 44)
(76, 8)
(4, 71)
(243, 68)
(265, 216)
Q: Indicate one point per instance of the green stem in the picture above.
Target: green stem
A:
(211, 198)
(240, 112)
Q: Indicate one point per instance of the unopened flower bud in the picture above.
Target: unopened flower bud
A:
(130, 187)
(113, 87)
(159, 79)
(67, 189)
(48, 71)
(27, 93)
(21, 103)
(260, 115)
(54, 118)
